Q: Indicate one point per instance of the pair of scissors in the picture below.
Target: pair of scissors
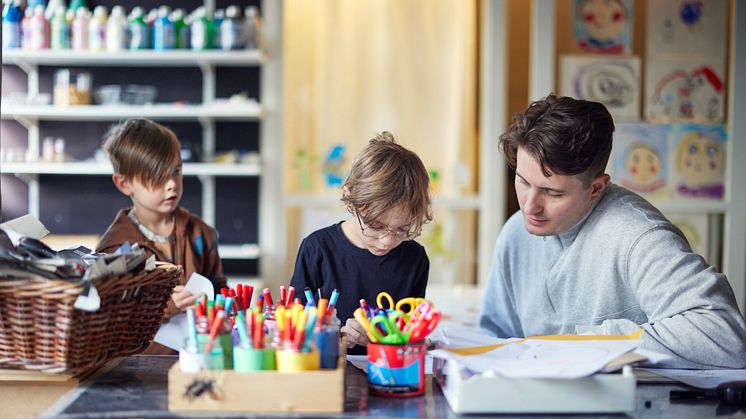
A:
(420, 327)
(389, 333)
(410, 302)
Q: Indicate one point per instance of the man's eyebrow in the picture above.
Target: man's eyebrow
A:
(543, 189)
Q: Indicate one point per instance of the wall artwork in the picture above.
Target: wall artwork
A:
(677, 92)
(699, 160)
(641, 159)
(686, 61)
(603, 26)
(615, 82)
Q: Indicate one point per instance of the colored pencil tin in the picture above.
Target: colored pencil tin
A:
(396, 370)
(320, 391)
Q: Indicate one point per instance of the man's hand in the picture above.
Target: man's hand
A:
(182, 299)
(355, 333)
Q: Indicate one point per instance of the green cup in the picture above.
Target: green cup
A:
(250, 359)
(224, 341)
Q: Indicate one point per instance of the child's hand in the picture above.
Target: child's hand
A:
(182, 299)
(355, 333)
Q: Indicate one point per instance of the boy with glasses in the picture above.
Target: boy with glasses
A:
(373, 250)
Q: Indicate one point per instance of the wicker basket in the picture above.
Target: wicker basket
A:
(41, 330)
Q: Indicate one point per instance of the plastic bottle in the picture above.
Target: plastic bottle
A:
(138, 30)
(79, 32)
(97, 29)
(51, 9)
(181, 29)
(217, 21)
(60, 31)
(201, 30)
(252, 28)
(76, 4)
(26, 28)
(116, 30)
(38, 30)
(12, 17)
(231, 33)
(164, 31)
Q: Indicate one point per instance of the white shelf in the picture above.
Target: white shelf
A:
(238, 251)
(152, 58)
(311, 201)
(225, 111)
(93, 168)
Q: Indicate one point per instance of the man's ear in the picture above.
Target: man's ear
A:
(598, 184)
(121, 182)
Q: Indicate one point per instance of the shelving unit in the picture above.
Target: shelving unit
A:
(206, 113)
(733, 207)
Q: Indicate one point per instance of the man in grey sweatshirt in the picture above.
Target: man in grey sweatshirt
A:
(586, 256)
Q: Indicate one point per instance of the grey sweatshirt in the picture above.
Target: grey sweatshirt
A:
(623, 267)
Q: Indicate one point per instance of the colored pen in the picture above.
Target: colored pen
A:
(318, 291)
(333, 301)
(283, 294)
(363, 320)
(192, 329)
(216, 326)
(322, 311)
(291, 294)
(268, 297)
(309, 295)
(260, 303)
(310, 323)
(241, 326)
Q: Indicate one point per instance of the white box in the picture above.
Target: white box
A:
(490, 392)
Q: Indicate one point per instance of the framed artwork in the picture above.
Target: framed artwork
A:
(615, 82)
(698, 153)
(689, 27)
(677, 91)
(641, 159)
(603, 26)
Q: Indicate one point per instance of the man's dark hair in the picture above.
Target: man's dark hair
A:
(566, 136)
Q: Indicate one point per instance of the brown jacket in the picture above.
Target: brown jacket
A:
(195, 249)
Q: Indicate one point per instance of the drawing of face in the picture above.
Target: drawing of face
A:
(604, 19)
(643, 164)
(700, 159)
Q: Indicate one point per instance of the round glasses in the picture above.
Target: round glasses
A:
(376, 233)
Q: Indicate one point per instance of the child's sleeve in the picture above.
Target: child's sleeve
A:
(421, 275)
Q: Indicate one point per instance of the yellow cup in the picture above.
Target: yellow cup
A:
(294, 361)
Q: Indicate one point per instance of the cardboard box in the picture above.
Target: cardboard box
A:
(320, 391)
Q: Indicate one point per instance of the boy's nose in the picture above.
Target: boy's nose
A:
(532, 204)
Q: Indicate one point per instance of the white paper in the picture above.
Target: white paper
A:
(26, 225)
(174, 333)
(706, 379)
(538, 358)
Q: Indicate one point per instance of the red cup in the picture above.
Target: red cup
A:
(396, 370)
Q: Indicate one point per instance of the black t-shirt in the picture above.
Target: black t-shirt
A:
(328, 260)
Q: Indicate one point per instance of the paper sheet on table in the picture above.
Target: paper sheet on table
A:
(706, 379)
(174, 333)
(558, 356)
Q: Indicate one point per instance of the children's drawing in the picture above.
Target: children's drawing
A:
(303, 163)
(334, 170)
(615, 82)
(603, 26)
(687, 27)
(700, 160)
(684, 94)
(695, 228)
(641, 158)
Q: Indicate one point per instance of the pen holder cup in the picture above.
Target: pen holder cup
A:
(327, 340)
(250, 359)
(295, 361)
(224, 341)
(396, 370)
(192, 361)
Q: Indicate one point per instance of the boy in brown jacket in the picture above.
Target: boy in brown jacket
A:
(147, 167)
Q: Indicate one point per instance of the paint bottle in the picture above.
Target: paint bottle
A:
(217, 21)
(51, 9)
(97, 29)
(181, 29)
(139, 37)
(60, 31)
(231, 33)
(116, 30)
(79, 33)
(201, 30)
(12, 18)
(164, 31)
(26, 28)
(38, 30)
(252, 28)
